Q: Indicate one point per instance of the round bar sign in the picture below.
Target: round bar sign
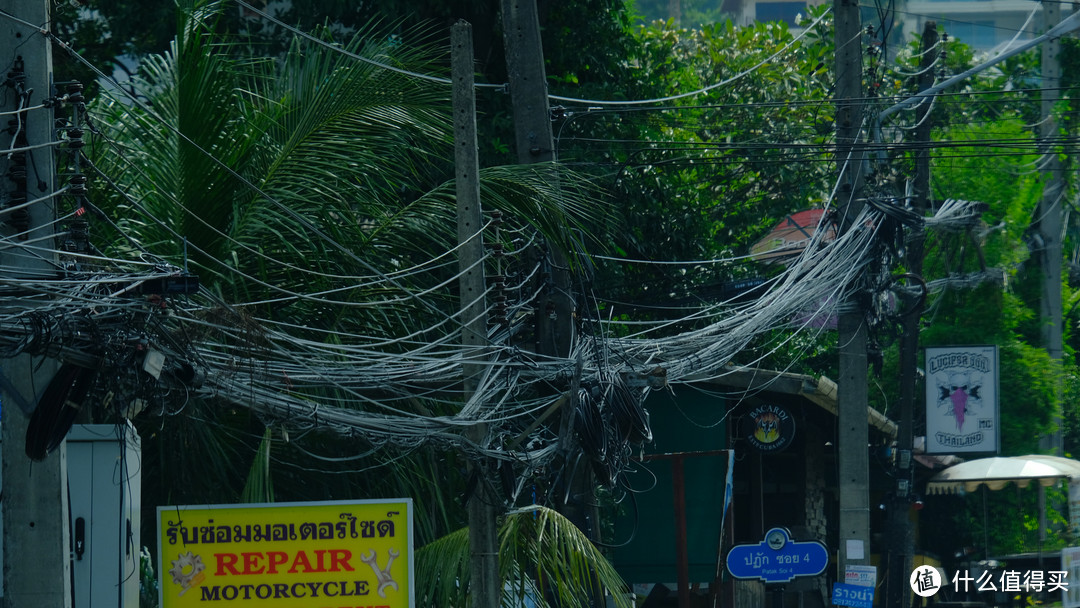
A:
(769, 428)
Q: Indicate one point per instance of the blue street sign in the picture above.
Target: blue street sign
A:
(855, 596)
(777, 559)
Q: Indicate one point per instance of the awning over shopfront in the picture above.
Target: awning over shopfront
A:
(817, 389)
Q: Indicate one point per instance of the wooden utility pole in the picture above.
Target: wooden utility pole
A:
(35, 506)
(535, 144)
(1048, 220)
(528, 81)
(484, 585)
(853, 436)
(902, 538)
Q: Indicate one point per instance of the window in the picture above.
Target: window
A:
(977, 34)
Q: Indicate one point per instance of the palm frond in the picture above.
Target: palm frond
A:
(442, 571)
(558, 203)
(542, 555)
(260, 484)
(538, 543)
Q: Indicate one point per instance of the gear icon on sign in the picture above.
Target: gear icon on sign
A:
(185, 568)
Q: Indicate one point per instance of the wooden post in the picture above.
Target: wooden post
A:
(682, 560)
(901, 537)
(484, 586)
(535, 144)
(1048, 224)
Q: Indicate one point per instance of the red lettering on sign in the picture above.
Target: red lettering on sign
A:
(225, 561)
(251, 562)
(273, 562)
(340, 557)
(275, 559)
(301, 561)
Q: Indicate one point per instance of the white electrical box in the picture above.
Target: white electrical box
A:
(104, 485)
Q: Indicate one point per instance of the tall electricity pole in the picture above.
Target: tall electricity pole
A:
(35, 507)
(1048, 220)
(853, 436)
(902, 538)
(534, 143)
(483, 533)
(1049, 229)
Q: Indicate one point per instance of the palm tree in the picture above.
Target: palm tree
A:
(313, 196)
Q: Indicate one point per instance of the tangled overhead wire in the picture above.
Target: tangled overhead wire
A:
(134, 334)
(207, 348)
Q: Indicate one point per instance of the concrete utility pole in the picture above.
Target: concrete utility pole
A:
(35, 507)
(1048, 227)
(674, 11)
(902, 538)
(853, 436)
(483, 532)
(1048, 221)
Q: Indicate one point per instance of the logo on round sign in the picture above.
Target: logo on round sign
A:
(769, 428)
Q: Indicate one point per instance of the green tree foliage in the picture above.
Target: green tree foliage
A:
(982, 152)
(537, 547)
(112, 35)
(313, 144)
(277, 178)
(988, 523)
(703, 177)
(255, 170)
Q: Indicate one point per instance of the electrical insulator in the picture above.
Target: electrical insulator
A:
(77, 185)
(74, 93)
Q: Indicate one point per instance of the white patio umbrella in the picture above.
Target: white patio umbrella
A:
(999, 471)
(1070, 466)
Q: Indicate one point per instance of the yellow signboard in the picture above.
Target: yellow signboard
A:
(355, 554)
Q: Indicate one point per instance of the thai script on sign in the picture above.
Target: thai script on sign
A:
(347, 527)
